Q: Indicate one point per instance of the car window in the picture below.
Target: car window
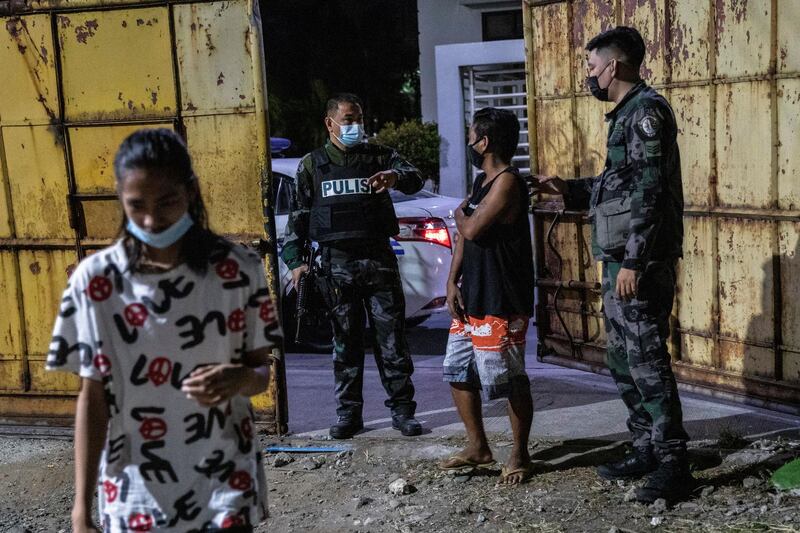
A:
(282, 193)
(399, 197)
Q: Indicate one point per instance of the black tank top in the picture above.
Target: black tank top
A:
(497, 270)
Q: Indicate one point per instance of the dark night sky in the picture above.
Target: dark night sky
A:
(318, 47)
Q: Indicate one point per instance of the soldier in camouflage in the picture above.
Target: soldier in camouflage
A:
(636, 208)
(341, 201)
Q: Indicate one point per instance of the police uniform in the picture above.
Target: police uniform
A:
(636, 209)
(335, 206)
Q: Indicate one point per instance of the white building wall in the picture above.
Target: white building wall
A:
(449, 60)
(448, 22)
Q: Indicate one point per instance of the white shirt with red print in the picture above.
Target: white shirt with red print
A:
(168, 463)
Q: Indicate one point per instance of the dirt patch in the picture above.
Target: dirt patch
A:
(350, 490)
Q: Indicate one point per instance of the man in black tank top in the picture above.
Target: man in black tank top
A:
(490, 296)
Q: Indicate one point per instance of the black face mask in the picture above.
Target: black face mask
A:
(474, 157)
(594, 86)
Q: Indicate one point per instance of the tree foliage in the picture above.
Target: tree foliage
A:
(417, 141)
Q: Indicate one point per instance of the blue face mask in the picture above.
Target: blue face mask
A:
(350, 134)
(163, 239)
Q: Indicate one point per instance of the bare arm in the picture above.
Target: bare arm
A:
(497, 203)
(455, 303)
(91, 426)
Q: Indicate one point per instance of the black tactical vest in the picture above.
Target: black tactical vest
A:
(345, 206)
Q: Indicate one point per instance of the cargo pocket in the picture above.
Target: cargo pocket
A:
(612, 223)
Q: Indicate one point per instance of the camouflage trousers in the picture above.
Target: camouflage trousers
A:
(639, 361)
(361, 286)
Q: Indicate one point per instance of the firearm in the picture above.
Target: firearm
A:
(305, 288)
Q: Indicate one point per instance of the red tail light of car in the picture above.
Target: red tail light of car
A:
(426, 229)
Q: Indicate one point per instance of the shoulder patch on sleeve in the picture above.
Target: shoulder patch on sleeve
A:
(649, 125)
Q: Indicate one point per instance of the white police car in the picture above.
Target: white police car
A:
(423, 247)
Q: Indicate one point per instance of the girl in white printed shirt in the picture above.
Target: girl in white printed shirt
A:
(170, 329)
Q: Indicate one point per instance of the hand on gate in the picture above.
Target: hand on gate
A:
(551, 184)
(626, 284)
(213, 384)
(383, 180)
(455, 302)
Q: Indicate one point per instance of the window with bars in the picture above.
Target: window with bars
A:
(501, 86)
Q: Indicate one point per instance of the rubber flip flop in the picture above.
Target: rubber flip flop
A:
(456, 462)
(526, 471)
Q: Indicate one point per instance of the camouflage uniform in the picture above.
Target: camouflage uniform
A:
(642, 165)
(360, 280)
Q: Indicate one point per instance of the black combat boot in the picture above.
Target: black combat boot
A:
(346, 426)
(672, 481)
(633, 466)
(407, 425)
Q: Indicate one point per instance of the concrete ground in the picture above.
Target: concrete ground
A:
(569, 404)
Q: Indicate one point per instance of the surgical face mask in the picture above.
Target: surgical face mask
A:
(350, 134)
(163, 239)
(601, 93)
(475, 157)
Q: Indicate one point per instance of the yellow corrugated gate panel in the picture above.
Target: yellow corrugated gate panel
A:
(746, 287)
(744, 158)
(789, 144)
(38, 182)
(589, 17)
(11, 345)
(93, 149)
(648, 17)
(224, 151)
(696, 287)
(743, 37)
(788, 43)
(44, 275)
(692, 113)
(551, 42)
(689, 43)
(591, 133)
(117, 64)
(731, 69)
(28, 93)
(214, 78)
(555, 137)
(789, 250)
(6, 222)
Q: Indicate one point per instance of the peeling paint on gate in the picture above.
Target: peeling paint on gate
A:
(118, 69)
(731, 69)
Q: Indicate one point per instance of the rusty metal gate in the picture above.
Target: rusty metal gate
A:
(731, 69)
(79, 76)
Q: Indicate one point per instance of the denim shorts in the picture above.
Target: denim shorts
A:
(488, 353)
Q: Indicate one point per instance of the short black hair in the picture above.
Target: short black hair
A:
(501, 127)
(341, 98)
(626, 40)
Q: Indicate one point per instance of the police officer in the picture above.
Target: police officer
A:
(342, 202)
(636, 209)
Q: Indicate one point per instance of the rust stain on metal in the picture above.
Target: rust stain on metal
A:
(154, 97)
(35, 268)
(247, 42)
(220, 78)
(82, 33)
(190, 106)
(64, 22)
(209, 43)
